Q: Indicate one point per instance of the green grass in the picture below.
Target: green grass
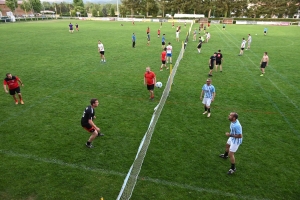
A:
(42, 143)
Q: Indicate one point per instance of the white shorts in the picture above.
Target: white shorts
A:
(233, 147)
(206, 101)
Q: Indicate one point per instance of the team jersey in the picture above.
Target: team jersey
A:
(212, 60)
(163, 55)
(71, 26)
(149, 76)
(208, 91)
(11, 83)
(133, 38)
(169, 49)
(101, 47)
(163, 39)
(88, 114)
(250, 39)
(236, 129)
(243, 44)
(76, 25)
(219, 56)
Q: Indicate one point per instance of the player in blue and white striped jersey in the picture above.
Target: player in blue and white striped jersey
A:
(234, 141)
(209, 93)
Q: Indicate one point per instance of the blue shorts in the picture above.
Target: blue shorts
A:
(169, 54)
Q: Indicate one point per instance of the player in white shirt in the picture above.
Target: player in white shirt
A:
(101, 51)
(249, 41)
(242, 47)
(169, 53)
(177, 35)
(207, 36)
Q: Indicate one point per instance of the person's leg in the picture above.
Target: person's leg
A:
(20, 97)
(91, 138)
(16, 100)
(217, 68)
(221, 68)
(151, 94)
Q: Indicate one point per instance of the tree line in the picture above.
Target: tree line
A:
(215, 8)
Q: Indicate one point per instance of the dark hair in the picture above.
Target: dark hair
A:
(266, 53)
(169, 42)
(235, 115)
(93, 101)
(219, 50)
(165, 49)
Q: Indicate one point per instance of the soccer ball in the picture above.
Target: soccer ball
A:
(256, 34)
(158, 84)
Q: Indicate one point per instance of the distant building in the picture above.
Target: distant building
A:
(18, 11)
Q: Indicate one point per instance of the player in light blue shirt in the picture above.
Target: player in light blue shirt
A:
(265, 31)
(163, 41)
(234, 140)
(133, 40)
(209, 93)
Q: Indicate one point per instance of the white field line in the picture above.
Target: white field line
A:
(111, 172)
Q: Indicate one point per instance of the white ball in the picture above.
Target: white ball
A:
(158, 84)
(256, 34)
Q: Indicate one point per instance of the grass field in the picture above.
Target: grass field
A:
(42, 143)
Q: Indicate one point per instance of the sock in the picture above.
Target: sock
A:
(99, 133)
(226, 153)
(208, 110)
(205, 108)
(232, 166)
(88, 143)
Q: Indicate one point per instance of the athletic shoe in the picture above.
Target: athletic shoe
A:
(223, 156)
(208, 115)
(167, 68)
(161, 69)
(204, 112)
(100, 134)
(89, 146)
(22, 102)
(231, 171)
(16, 102)
(262, 75)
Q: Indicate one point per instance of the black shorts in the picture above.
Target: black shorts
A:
(147, 32)
(218, 62)
(163, 43)
(102, 52)
(211, 67)
(163, 62)
(88, 127)
(242, 49)
(263, 65)
(71, 29)
(265, 31)
(150, 87)
(199, 46)
(14, 91)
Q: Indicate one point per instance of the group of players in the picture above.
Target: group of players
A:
(71, 30)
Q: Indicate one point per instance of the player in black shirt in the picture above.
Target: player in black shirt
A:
(219, 59)
(199, 45)
(212, 63)
(88, 124)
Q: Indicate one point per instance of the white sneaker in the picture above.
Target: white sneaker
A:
(204, 112)
(208, 115)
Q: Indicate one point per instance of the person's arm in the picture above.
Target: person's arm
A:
(144, 81)
(267, 61)
(213, 97)
(4, 86)
(154, 79)
(201, 94)
(20, 82)
(209, 62)
(93, 125)
(239, 135)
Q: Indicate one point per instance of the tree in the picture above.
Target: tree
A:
(78, 3)
(25, 6)
(112, 12)
(36, 5)
(94, 12)
(104, 12)
(12, 4)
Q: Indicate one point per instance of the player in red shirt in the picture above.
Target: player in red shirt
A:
(13, 86)
(150, 81)
(158, 32)
(163, 59)
(148, 30)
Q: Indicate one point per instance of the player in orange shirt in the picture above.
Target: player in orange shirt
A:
(13, 86)
(150, 81)
(163, 59)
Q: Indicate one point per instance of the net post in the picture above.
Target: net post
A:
(171, 76)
